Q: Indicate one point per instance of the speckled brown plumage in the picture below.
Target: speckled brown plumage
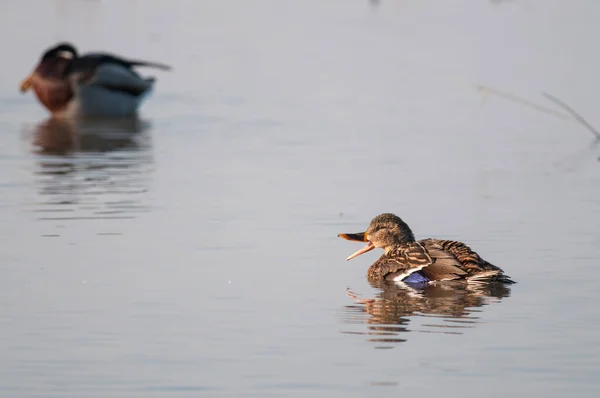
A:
(435, 259)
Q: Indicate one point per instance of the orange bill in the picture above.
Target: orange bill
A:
(27, 83)
(358, 237)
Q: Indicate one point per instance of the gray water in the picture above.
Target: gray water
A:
(193, 252)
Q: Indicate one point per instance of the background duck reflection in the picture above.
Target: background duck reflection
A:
(91, 168)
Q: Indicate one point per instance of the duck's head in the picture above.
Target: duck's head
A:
(386, 231)
(62, 50)
(53, 64)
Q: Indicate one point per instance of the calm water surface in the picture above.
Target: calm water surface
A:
(193, 252)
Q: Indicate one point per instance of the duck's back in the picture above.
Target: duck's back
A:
(460, 254)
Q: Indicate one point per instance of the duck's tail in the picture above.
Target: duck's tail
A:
(149, 64)
(490, 276)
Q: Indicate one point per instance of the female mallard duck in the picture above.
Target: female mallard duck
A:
(94, 84)
(428, 260)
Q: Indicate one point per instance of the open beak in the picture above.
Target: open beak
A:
(27, 83)
(358, 237)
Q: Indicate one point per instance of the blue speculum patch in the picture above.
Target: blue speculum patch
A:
(415, 277)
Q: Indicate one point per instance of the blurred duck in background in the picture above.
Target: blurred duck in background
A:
(90, 85)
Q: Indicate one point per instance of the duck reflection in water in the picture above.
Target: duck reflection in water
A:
(446, 308)
(63, 136)
(91, 168)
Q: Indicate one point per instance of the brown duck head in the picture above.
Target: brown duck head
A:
(53, 65)
(48, 79)
(386, 231)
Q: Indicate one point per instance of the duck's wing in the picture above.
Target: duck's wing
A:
(93, 60)
(112, 73)
(450, 254)
(467, 259)
(444, 265)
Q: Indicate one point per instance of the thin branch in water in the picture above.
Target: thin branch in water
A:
(512, 97)
(575, 115)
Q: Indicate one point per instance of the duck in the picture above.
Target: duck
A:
(89, 85)
(425, 261)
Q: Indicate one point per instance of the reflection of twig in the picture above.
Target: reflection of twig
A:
(512, 97)
(575, 115)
